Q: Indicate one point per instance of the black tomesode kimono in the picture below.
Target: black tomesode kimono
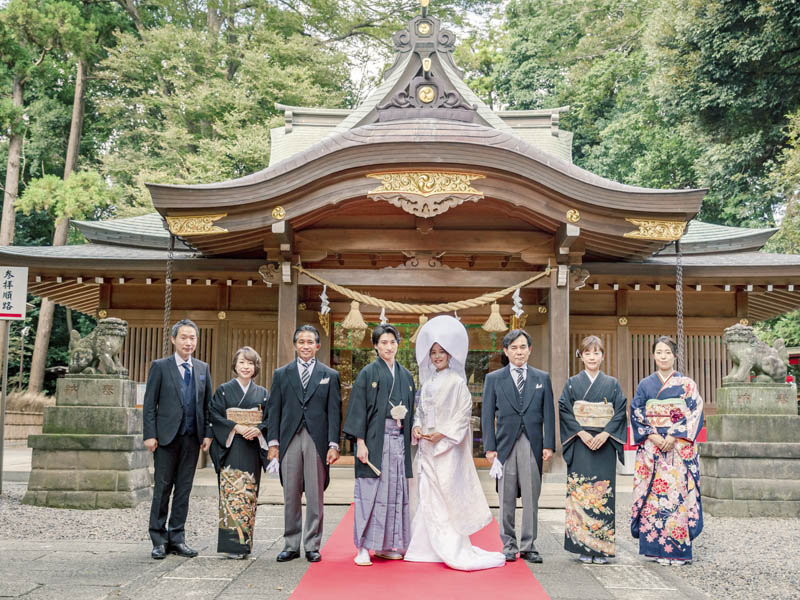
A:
(591, 474)
(238, 465)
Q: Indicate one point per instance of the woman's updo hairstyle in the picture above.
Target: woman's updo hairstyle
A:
(665, 339)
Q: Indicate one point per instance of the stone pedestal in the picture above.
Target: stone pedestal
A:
(90, 453)
(750, 467)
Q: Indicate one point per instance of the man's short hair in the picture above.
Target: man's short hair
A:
(513, 335)
(310, 328)
(381, 329)
(185, 323)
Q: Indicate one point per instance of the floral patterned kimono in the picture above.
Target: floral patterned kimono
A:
(591, 474)
(238, 463)
(667, 514)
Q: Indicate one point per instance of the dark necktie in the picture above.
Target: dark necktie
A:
(187, 374)
(520, 380)
(305, 376)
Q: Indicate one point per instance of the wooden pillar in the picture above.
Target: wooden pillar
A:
(741, 304)
(222, 353)
(287, 318)
(540, 355)
(625, 359)
(558, 327)
(624, 350)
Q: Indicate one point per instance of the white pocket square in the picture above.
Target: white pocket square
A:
(326, 380)
(538, 385)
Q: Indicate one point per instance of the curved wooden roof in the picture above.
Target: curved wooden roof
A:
(432, 142)
(516, 173)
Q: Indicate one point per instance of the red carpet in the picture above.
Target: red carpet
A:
(337, 577)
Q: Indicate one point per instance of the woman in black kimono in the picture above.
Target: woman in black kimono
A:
(593, 432)
(239, 451)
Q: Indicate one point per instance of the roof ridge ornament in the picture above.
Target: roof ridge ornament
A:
(429, 91)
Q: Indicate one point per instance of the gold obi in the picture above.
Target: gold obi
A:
(665, 412)
(593, 414)
(244, 416)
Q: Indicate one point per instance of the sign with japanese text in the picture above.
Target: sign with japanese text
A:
(13, 292)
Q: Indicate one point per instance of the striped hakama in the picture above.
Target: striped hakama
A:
(382, 519)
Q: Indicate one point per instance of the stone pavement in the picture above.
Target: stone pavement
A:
(88, 570)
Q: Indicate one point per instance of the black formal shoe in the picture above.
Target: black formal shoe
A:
(510, 556)
(531, 556)
(182, 549)
(159, 552)
(313, 556)
(287, 555)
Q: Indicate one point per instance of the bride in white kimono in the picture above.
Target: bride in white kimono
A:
(447, 501)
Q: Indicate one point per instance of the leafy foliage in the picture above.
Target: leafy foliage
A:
(83, 194)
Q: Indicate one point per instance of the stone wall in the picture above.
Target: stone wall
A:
(19, 425)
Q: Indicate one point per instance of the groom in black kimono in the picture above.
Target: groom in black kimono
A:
(518, 421)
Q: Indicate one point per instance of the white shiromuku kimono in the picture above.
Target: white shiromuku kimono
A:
(447, 501)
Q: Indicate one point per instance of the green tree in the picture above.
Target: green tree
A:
(197, 121)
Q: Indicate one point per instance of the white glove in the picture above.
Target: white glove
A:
(273, 467)
(497, 469)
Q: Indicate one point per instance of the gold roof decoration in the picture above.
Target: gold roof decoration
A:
(426, 193)
(195, 224)
(656, 229)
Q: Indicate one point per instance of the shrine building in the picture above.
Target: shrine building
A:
(422, 195)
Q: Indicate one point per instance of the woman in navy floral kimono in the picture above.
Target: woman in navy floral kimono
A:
(666, 416)
(593, 415)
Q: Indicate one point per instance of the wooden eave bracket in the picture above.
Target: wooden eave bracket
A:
(284, 234)
(565, 242)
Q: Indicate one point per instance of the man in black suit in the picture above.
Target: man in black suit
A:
(303, 419)
(176, 428)
(518, 421)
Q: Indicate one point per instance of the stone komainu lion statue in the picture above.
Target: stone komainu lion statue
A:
(748, 353)
(99, 351)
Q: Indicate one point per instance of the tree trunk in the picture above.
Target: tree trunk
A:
(133, 13)
(12, 174)
(10, 194)
(76, 127)
(45, 323)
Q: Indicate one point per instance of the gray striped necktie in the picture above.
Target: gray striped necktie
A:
(520, 380)
(306, 374)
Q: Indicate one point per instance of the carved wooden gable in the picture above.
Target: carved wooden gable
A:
(426, 91)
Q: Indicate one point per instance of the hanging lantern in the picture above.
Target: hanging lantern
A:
(495, 322)
(422, 320)
(355, 322)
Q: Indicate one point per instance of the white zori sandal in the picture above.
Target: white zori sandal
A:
(362, 559)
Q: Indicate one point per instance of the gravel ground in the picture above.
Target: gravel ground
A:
(735, 559)
(19, 521)
(746, 559)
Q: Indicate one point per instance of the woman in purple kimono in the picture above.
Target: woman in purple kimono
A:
(666, 416)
